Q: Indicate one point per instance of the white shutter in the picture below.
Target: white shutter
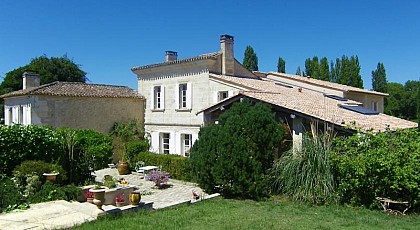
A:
(152, 98)
(154, 142)
(171, 143)
(162, 97)
(215, 97)
(194, 138)
(189, 95)
(176, 96)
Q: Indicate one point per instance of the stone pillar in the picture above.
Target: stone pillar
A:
(297, 134)
(30, 80)
(228, 59)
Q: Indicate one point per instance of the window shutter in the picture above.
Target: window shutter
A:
(177, 96)
(162, 95)
(154, 142)
(215, 97)
(152, 98)
(189, 95)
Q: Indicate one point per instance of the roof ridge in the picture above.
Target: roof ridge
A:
(199, 57)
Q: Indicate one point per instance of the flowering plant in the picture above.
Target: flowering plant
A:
(88, 194)
(159, 177)
(119, 199)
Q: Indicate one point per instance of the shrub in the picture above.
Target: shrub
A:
(236, 154)
(122, 133)
(28, 168)
(50, 192)
(19, 143)
(10, 196)
(135, 147)
(96, 146)
(178, 166)
(306, 175)
(381, 165)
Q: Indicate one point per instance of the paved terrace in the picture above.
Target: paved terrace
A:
(63, 214)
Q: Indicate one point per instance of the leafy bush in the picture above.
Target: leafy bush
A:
(19, 143)
(10, 196)
(306, 175)
(381, 165)
(236, 154)
(96, 146)
(29, 168)
(122, 134)
(50, 192)
(133, 148)
(178, 166)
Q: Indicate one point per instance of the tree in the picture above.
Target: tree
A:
(298, 71)
(393, 101)
(49, 69)
(281, 65)
(403, 100)
(324, 69)
(250, 59)
(312, 67)
(379, 78)
(237, 153)
(347, 71)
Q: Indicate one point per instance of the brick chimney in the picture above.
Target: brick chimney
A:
(30, 80)
(171, 56)
(228, 59)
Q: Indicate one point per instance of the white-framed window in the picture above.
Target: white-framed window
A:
(221, 95)
(164, 142)
(186, 144)
(374, 105)
(183, 96)
(157, 97)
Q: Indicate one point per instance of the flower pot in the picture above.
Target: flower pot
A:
(89, 200)
(119, 204)
(135, 198)
(50, 176)
(98, 197)
(123, 168)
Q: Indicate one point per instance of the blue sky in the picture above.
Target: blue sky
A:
(109, 37)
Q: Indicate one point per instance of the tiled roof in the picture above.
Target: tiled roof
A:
(327, 84)
(201, 57)
(77, 89)
(315, 104)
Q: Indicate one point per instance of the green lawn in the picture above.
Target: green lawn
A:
(235, 214)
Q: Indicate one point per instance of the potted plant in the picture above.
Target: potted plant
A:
(119, 201)
(98, 195)
(159, 177)
(89, 196)
(123, 167)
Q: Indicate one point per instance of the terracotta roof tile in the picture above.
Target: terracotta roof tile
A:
(315, 104)
(201, 57)
(77, 89)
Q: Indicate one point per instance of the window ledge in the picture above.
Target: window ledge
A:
(158, 110)
(183, 110)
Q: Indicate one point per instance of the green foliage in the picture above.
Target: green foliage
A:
(96, 146)
(250, 59)
(124, 137)
(110, 182)
(10, 196)
(50, 192)
(381, 165)
(236, 154)
(178, 166)
(29, 168)
(133, 148)
(19, 143)
(324, 69)
(312, 67)
(281, 65)
(379, 79)
(402, 100)
(346, 71)
(299, 71)
(306, 175)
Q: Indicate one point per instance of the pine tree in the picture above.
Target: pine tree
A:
(324, 70)
(298, 71)
(250, 59)
(281, 65)
(379, 81)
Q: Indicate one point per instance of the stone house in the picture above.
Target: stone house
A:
(72, 105)
(182, 95)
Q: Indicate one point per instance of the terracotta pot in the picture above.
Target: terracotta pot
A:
(123, 168)
(135, 198)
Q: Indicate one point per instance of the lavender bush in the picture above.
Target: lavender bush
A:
(159, 177)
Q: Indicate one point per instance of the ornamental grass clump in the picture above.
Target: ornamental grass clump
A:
(159, 177)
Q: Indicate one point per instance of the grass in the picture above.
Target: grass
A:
(246, 214)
